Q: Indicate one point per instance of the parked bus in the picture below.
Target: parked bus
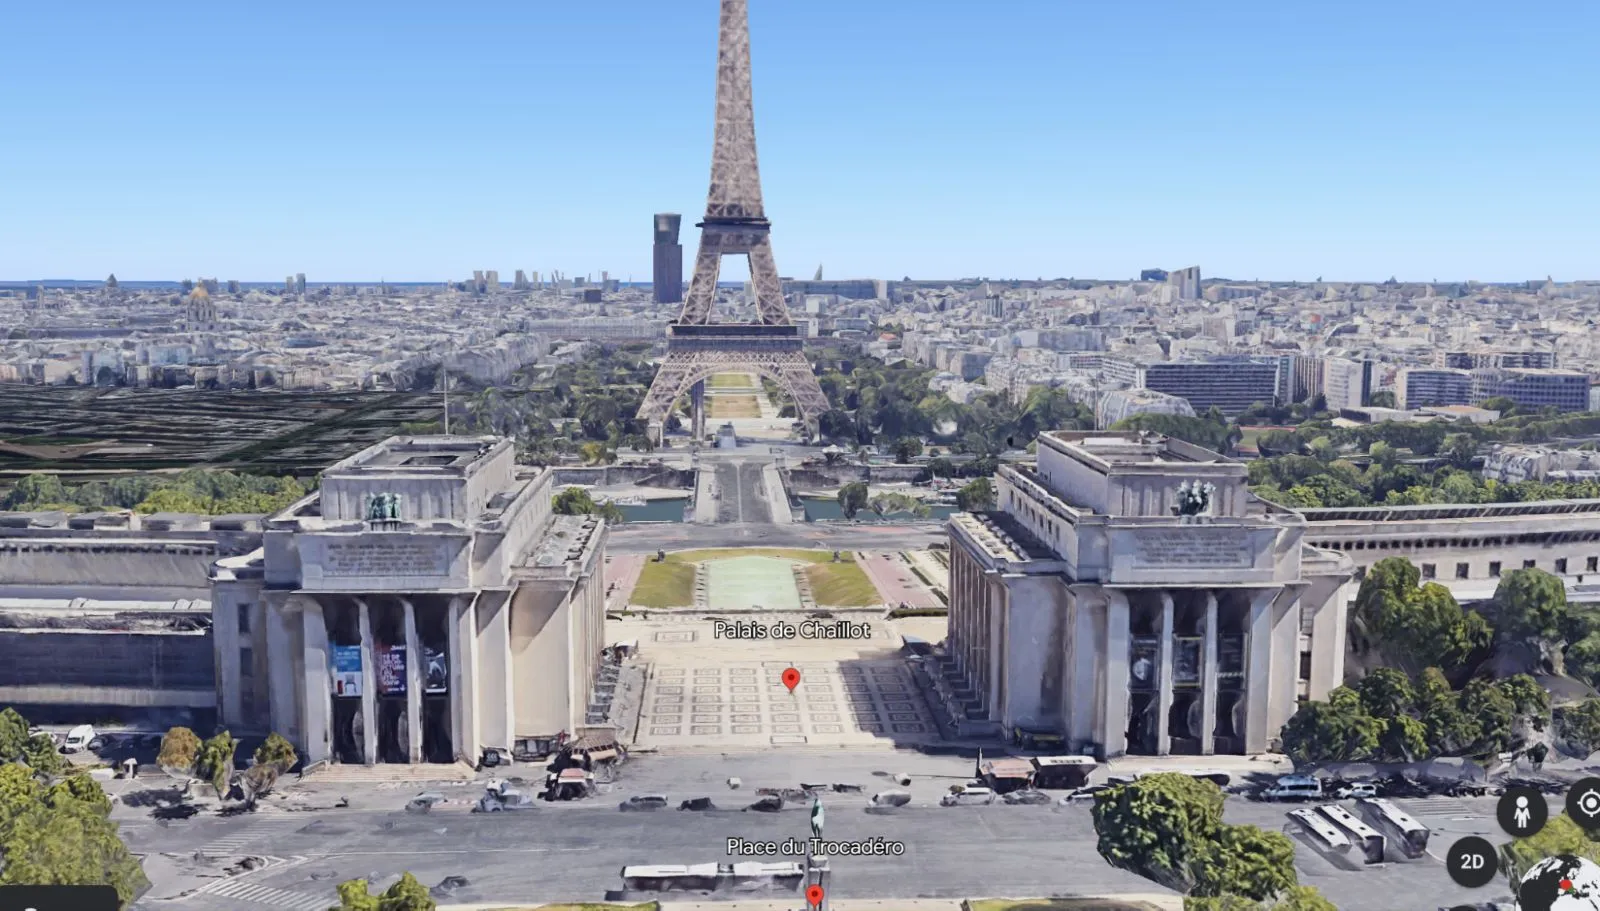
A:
(1404, 832)
(1323, 833)
(1361, 834)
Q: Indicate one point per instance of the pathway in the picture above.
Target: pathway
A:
(895, 581)
(622, 574)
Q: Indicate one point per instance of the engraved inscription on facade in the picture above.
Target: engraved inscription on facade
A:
(1193, 547)
(403, 557)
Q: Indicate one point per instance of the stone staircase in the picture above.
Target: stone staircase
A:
(382, 772)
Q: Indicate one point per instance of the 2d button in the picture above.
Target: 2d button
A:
(1472, 862)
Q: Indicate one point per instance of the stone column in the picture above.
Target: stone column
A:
(369, 686)
(318, 695)
(1208, 680)
(285, 710)
(413, 683)
(225, 646)
(1114, 674)
(1164, 666)
(1258, 671)
(463, 631)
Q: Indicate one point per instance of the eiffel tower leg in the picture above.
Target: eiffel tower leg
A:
(697, 400)
(769, 289)
(703, 284)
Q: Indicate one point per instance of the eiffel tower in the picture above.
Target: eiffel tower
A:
(735, 223)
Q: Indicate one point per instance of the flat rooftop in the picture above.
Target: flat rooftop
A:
(450, 455)
(1132, 448)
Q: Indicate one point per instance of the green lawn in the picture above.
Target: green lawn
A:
(787, 553)
(842, 585)
(731, 381)
(733, 406)
(664, 585)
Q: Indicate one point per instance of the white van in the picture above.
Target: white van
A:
(1295, 787)
(78, 739)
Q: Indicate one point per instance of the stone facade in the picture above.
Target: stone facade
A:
(422, 605)
(1097, 603)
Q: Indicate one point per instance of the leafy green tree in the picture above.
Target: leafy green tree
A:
(1208, 432)
(1383, 398)
(906, 449)
(1160, 826)
(1415, 627)
(1531, 603)
(941, 468)
(1579, 725)
(852, 497)
(574, 501)
(1338, 730)
(1404, 739)
(40, 754)
(36, 490)
(886, 504)
(1449, 729)
(1247, 861)
(13, 734)
(976, 496)
(1530, 701)
(81, 788)
(1385, 692)
(1492, 710)
(215, 763)
(173, 499)
(407, 894)
(180, 752)
(276, 751)
(61, 835)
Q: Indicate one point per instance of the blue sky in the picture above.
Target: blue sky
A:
(936, 138)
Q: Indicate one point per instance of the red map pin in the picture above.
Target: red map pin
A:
(791, 679)
(813, 893)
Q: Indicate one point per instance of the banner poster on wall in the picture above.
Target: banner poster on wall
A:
(436, 671)
(392, 671)
(347, 670)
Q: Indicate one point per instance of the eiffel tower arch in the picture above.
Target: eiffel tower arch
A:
(735, 224)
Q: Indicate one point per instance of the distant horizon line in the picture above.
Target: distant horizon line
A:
(10, 284)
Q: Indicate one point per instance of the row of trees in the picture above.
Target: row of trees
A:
(882, 404)
(1325, 478)
(1391, 717)
(576, 501)
(1168, 828)
(1408, 708)
(56, 828)
(977, 495)
(184, 755)
(198, 491)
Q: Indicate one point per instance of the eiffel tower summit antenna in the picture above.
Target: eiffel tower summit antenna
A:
(735, 224)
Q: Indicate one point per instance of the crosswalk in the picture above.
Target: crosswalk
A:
(1424, 809)
(259, 826)
(256, 894)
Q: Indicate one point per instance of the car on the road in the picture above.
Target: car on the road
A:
(424, 802)
(78, 739)
(968, 796)
(1085, 794)
(1295, 787)
(1360, 790)
(644, 802)
(507, 799)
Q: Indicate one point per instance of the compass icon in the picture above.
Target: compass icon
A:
(1583, 803)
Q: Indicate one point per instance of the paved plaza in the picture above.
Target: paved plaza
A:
(708, 693)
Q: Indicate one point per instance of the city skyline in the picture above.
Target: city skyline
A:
(1031, 142)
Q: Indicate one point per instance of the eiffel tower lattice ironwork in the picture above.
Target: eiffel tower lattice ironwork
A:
(735, 224)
